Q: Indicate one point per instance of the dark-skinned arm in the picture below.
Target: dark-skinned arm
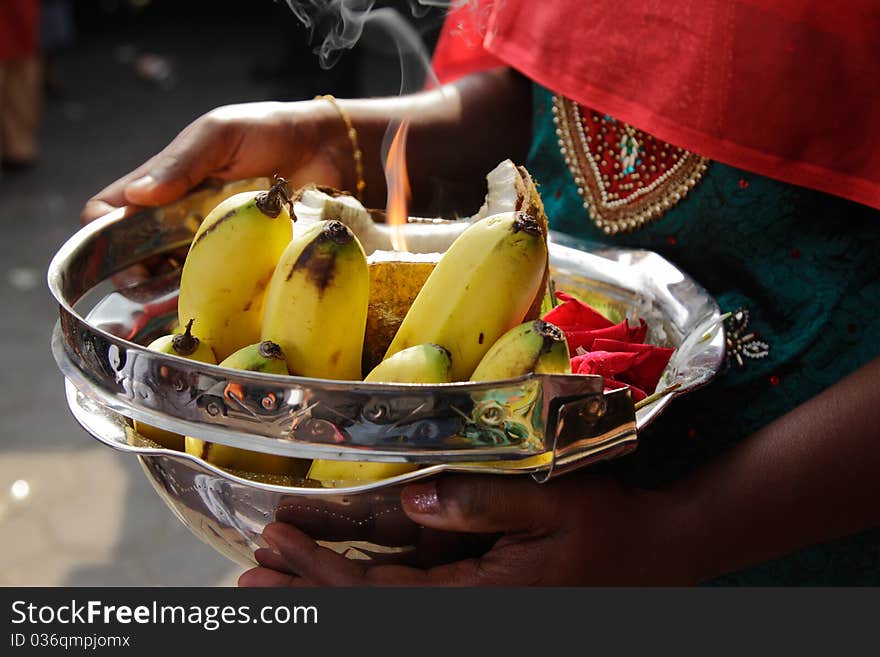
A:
(458, 133)
(810, 476)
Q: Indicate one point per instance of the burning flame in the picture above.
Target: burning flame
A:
(397, 180)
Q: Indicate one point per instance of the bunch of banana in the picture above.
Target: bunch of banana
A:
(482, 286)
(536, 346)
(185, 345)
(261, 357)
(316, 302)
(424, 363)
(230, 261)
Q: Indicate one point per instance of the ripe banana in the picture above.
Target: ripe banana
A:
(335, 474)
(185, 345)
(316, 302)
(536, 346)
(424, 363)
(261, 357)
(482, 286)
(230, 262)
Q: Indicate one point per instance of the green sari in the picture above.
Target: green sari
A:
(799, 270)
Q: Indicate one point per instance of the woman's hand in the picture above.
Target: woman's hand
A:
(807, 477)
(457, 134)
(301, 141)
(580, 530)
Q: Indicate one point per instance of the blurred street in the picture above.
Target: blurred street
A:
(72, 511)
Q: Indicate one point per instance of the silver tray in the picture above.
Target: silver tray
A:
(560, 422)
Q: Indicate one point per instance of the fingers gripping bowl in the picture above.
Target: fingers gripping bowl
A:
(542, 425)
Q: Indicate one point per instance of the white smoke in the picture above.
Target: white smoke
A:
(337, 25)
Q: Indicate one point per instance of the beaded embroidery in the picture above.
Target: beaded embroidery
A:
(740, 343)
(625, 177)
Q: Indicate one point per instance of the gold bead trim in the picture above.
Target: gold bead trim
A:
(356, 151)
(633, 211)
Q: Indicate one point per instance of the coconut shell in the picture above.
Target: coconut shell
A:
(394, 285)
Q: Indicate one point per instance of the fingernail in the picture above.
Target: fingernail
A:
(142, 184)
(272, 546)
(266, 556)
(421, 498)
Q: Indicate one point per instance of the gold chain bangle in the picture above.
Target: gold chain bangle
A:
(355, 147)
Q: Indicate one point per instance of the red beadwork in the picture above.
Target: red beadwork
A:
(795, 253)
(774, 380)
(743, 183)
(626, 177)
(671, 240)
(613, 135)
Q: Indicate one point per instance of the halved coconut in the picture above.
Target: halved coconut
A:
(422, 235)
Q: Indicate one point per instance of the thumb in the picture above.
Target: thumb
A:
(170, 178)
(481, 504)
(194, 155)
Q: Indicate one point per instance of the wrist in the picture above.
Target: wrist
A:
(675, 539)
(358, 184)
(323, 146)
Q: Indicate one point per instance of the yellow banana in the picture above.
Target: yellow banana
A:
(229, 264)
(335, 474)
(482, 286)
(261, 357)
(185, 345)
(424, 363)
(535, 346)
(316, 302)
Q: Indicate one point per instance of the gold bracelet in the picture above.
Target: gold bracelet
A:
(355, 147)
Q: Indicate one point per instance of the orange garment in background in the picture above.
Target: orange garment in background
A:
(786, 88)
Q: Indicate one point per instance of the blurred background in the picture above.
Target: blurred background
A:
(115, 81)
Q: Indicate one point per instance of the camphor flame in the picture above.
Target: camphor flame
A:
(397, 181)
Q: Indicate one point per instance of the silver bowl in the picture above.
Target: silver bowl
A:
(540, 425)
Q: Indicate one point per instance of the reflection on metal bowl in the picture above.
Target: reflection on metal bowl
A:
(540, 425)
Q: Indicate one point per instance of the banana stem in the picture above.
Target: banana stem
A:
(527, 223)
(270, 203)
(185, 344)
(269, 349)
(550, 333)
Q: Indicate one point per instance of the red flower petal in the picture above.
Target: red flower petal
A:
(637, 393)
(574, 313)
(614, 351)
(606, 363)
(646, 371)
(623, 332)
